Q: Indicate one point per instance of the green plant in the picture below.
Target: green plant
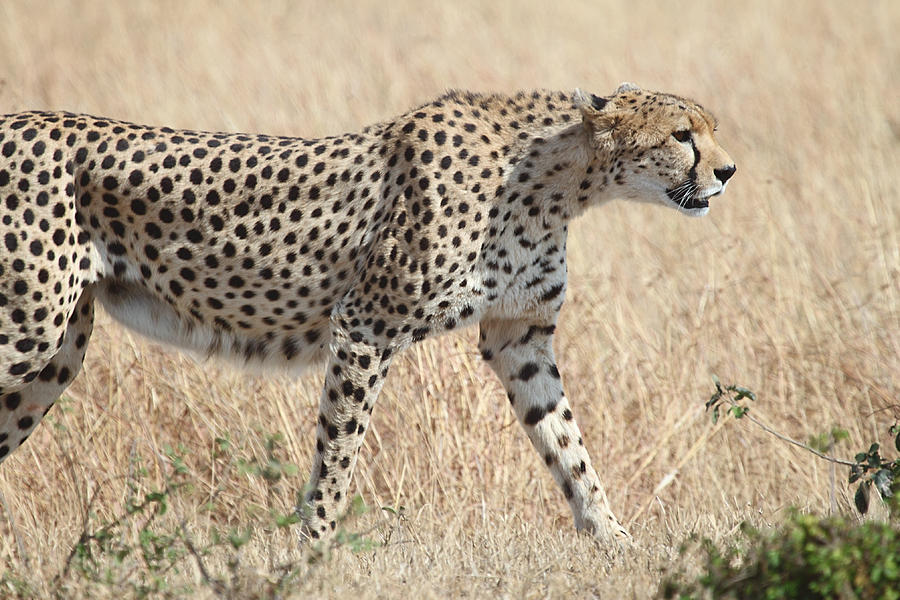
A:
(731, 395)
(136, 552)
(15, 586)
(109, 555)
(869, 469)
(873, 471)
(808, 557)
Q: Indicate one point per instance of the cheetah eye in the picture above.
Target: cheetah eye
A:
(682, 136)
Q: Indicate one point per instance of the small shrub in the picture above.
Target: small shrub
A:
(872, 470)
(808, 557)
(147, 552)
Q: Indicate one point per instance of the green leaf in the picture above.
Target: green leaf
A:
(744, 393)
(715, 415)
(861, 499)
(358, 506)
(838, 434)
(238, 539)
(897, 440)
(883, 480)
(874, 459)
(287, 520)
(154, 497)
(739, 411)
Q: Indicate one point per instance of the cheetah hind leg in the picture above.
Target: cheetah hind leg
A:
(22, 409)
(356, 371)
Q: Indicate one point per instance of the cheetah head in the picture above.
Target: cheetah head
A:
(657, 147)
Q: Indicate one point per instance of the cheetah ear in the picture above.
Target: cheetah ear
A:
(588, 102)
(627, 87)
(600, 116)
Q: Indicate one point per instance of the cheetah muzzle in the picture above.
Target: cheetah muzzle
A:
(287, 252)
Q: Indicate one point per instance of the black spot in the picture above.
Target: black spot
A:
(528, 371)
(25, 345)
(552, 293)
(12, 401)
(48, 373)
(534, 416)
(19, 368)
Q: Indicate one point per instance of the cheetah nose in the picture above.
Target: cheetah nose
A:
(725, 173)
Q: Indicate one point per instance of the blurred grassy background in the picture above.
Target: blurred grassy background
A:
(789, 286)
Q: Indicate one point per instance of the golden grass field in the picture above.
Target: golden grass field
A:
(789, 287)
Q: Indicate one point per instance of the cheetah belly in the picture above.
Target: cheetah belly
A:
(139, 309)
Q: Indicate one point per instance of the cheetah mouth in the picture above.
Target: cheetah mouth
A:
(696, 202)
(688, 197)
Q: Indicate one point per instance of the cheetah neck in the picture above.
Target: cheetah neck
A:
(554, 177)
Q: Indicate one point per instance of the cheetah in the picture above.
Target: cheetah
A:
(288, 252)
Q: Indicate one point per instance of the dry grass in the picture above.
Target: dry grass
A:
(789, 287)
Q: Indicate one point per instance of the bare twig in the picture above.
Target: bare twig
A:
(784, 438)
(214, 584)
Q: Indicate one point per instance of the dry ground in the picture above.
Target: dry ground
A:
(789, 287)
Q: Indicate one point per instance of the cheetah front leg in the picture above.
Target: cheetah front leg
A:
(521, 353)
(356, 371)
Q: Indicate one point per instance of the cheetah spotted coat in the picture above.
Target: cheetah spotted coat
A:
(287, 251)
